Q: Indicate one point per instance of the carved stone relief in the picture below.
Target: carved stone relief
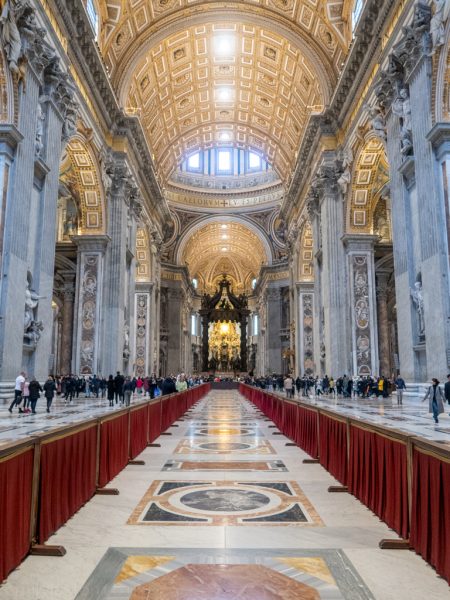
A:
(142, 301)
(361, 314)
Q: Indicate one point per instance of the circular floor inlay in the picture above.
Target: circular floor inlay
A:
(225, 447)
(225, 500)
(224, 431)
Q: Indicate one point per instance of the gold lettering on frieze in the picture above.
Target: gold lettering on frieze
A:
(168, 276)
(223, 202)
(278, 276)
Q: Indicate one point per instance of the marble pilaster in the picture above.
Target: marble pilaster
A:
(274, 361)
(68, 295)
(361, 271)
(305, 303)
(143, 326)
(89, 299)
(384, 353)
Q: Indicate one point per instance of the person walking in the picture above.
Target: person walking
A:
(401, 387)
(447, 389)
(49, 391)
(35, 390)
(127, 391)
(119, 380)
(435, 399)
(111, 388)
(289, 386)
(18, 391)
(26, 396)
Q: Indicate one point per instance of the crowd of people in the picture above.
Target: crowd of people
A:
(118, 389)
(348, 387)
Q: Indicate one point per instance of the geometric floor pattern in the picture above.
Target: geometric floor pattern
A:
(224, 503)
(230, 465)
(222, 574)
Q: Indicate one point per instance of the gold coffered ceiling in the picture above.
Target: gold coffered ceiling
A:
(214, 79)
(224, 247)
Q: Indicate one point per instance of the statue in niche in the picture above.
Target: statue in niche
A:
(33, 333)
(417, 299)
(402, 108)
(437, 23)
(69, 226)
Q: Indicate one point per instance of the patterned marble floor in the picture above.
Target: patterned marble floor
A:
(224, 509)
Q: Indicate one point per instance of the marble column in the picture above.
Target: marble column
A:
(68, 295)
(273, 330)
(117, 269)
(89, 298)
(360, 256)
(384, 351)
(333, 272)
(174, 342)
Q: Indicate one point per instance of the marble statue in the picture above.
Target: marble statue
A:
(378, 123)
(417, 298)
(38, 145)
(33, 333)
(437, 24)
(126, 341)
(10, 36)
(402, 108)
(346, 176)
(31, 304)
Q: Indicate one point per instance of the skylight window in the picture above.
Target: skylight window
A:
(194, 161)
(224, 160)
(224, 45)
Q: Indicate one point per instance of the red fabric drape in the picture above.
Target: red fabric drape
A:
(154, 421)
(67, 471)
(306, 434)
(16, 482)
(290, 416)
(166, 407)
(113, 448)
(138, 430)
(333, 447)
(430, 521)
(378, 477)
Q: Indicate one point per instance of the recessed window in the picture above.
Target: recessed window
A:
(92, 14)
(255, 325)
(195, 283)
(253, 284)
(193, 324)
(194, 161)
(224, 160)
(254, 160)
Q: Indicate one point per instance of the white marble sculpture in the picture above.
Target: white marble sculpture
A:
(346, 176)
(378, 123)
(417, 298)
(437, 24)
(402, 108)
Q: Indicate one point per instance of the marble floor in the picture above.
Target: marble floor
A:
(224, 509)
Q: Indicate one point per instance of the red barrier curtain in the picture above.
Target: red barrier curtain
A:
(306, 434)
(378, 476)
(16, 482)
(113, 448)
(68, 469)
(289, 426)
(430, 518)
(154, 421)
(138, 430)
(333, 447)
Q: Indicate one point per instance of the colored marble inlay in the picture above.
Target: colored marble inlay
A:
(225, 503)
(255, 446)
(192, 465)
(224, 574)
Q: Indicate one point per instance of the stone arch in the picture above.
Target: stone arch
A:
(80, 165)
(143, 256)
(370, 176)
(306, 254)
